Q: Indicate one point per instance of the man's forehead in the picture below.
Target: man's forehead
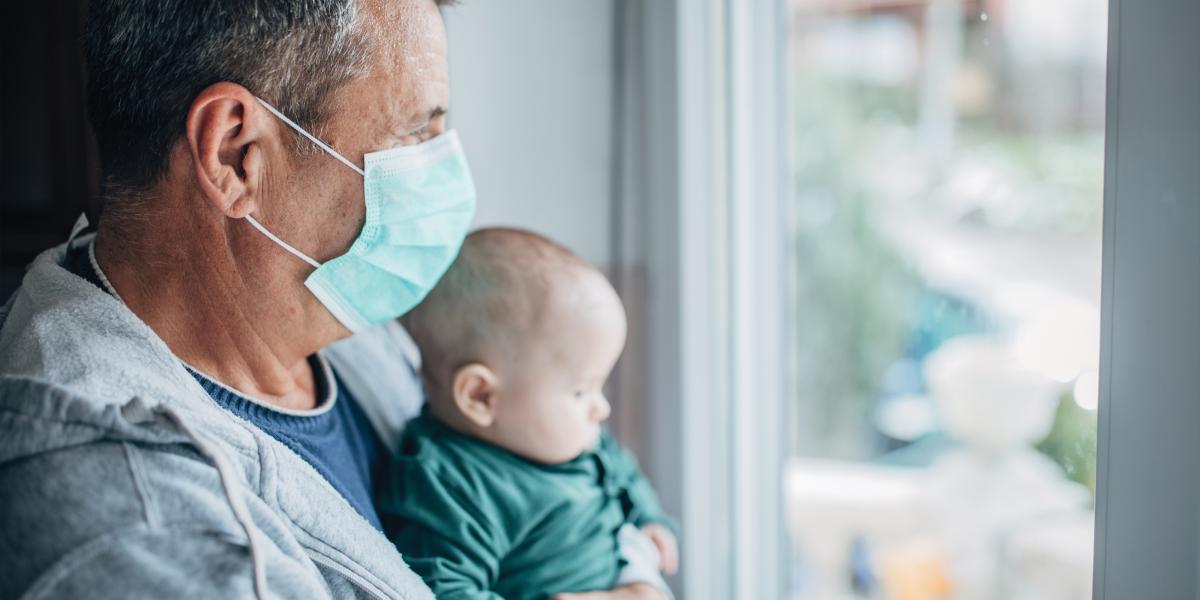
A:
(422, 87)
(407, 83)
(408, 30)
(417, 58)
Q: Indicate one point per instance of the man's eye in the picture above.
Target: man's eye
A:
(415, 137)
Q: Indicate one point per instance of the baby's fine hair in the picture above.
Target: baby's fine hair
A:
(490, 297)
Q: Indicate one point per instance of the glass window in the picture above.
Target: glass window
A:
(947, 159)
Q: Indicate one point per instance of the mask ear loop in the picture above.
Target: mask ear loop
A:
(310, 136)
(286, 246)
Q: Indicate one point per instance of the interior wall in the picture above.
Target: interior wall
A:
(531, 94)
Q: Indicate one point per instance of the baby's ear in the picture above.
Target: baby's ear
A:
(474, 389)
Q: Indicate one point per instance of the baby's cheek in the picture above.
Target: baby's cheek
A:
(555, 431)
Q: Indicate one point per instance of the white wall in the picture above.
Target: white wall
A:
(531, 96)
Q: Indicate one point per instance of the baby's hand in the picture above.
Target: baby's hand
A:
(668, 548)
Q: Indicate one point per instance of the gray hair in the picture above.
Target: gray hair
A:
(148, 59)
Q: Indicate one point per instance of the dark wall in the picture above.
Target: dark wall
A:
(47, 158)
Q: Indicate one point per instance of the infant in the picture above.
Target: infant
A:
(507, 486)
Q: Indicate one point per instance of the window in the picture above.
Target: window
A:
(948, 164)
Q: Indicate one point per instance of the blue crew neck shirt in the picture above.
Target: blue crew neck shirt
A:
(336, 437)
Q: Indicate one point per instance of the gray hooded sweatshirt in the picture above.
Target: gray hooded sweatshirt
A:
(120, 477)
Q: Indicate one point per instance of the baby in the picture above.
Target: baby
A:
(506, 486)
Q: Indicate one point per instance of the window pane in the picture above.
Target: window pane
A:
(948, 168)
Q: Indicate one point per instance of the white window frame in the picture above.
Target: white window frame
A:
(1148, 483)
(715, 245)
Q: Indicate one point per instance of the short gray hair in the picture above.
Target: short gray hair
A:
(148, 59)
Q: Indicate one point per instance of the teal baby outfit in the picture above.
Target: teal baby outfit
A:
(478, 522)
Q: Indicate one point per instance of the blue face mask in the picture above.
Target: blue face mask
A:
(419, 204)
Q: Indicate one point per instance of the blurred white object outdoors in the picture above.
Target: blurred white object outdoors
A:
(1002, 519)
(833, 504)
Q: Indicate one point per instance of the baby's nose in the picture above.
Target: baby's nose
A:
(601, 409)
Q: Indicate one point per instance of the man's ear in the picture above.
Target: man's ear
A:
(225, 130)
(474, 389)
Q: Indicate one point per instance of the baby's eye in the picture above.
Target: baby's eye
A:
(579, 394)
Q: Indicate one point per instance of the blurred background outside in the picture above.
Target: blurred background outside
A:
(948, 166)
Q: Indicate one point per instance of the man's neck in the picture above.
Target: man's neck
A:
(217, 313)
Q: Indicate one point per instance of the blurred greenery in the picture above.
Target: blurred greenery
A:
(852, 281)
(1072, 442)
(862, 305)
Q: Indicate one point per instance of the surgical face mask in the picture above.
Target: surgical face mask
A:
(419, 204)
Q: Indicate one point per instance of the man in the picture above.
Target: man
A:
(170, 425)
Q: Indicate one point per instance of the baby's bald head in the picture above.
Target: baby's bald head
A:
(517, 341)
(494, 298)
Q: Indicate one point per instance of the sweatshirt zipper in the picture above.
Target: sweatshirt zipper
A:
(354, 578)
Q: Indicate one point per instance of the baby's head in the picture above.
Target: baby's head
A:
(517, 340)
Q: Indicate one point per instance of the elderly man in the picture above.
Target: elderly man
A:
(172, 423)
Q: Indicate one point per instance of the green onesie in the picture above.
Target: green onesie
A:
(477, 522)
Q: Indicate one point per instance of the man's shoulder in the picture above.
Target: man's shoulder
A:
(88, 488)
(112, 519)
(54, 503)
(75, 470)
